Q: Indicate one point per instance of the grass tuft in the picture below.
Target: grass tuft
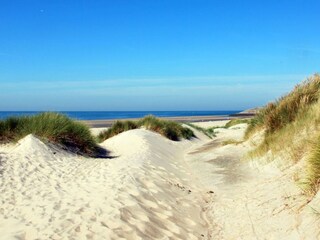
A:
(313, 170)
(231, 141)
(169, 129)
(54, 127)
(234, 122)
(209, 132)
(291, 124)
(285, 110)
(116, 128)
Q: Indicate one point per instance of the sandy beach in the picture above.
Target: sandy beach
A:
(185, 119)
(150, 188)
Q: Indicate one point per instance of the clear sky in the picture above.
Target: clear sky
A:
(154, 54)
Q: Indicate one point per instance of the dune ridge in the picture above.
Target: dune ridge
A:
(152, 188)
(145, 193)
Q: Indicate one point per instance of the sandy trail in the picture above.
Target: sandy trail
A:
(153, 188)
(250, 202)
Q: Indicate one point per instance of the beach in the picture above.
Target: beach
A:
(150, 187)
(182, 119)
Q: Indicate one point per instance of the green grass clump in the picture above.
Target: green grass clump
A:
(234, 122)
(313, 171)
(116, 128)
(209, 132)
(169, 129)
(55, 128)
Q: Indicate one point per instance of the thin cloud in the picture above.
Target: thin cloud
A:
(131, 83)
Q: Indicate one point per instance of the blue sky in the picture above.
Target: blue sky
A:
(155, 54)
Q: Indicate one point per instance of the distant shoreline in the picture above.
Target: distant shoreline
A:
(111, 115)
(109, 122)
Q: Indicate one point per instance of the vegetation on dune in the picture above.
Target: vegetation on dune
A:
(116, 128)
(169, 129)
(285, 110)
(291, 126)
(237, 121)
(209, 132)
(231, 141)
(313, 179)
(55, 128)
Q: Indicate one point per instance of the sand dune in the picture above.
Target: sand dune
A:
(145, 193)
(150, 188)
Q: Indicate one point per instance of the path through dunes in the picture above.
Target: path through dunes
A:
(251, 202)
(152, 188)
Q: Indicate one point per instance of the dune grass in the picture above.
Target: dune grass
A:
(285, 110)
(313, 168)
(234, 122)
(169, 129)
(291, 127)
(231, 141)
(209, 132)
(55, 128)
(116, 128)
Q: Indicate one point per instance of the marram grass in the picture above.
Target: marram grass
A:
(234, 122)
(313, 170)
(116, 128)
(285, 110)
(291, 126)
(169, 129)
(209, 132)
(55, 128)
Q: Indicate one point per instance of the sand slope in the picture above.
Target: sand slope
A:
(145, 193)
(251, 200)
(151, 188)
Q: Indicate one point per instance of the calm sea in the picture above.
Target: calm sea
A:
(87, 115)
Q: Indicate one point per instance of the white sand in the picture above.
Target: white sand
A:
(153, 188)
(97, 131)
(209, 124)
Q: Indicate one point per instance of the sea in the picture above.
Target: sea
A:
(104, 115)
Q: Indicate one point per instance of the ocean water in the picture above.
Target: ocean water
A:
(91, 115)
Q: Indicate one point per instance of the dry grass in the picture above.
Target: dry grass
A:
(313, 170)
(231, 141)
(285, 110)
(234, 122)
(292, 124)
